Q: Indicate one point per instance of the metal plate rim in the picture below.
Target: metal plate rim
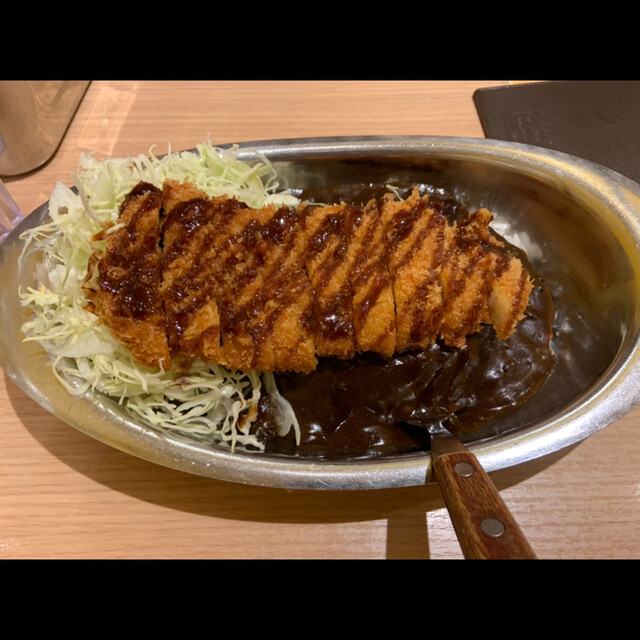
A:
(619, 394)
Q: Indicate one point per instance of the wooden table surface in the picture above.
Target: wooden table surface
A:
(65, 495)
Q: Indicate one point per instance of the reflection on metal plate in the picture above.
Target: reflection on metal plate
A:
(580, 224)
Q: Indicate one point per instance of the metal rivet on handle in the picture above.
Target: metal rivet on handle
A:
(463, 469)
(492, 527)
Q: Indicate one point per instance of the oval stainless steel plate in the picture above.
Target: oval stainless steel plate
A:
(580, 224)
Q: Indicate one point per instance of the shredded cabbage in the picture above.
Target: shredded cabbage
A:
(208, 403)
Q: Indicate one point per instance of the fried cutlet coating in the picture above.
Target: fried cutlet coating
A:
(449, 279)
(481, 283)
(374, 317)
(236, 286)
(265, 294)
(328, 263)
(289, 297)
(126, 294)
(416, 237)
(275, 288)
(189, 297)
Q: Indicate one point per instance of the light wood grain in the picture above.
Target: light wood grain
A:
(64, 495)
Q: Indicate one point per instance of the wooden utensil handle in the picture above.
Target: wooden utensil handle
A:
(483, 523)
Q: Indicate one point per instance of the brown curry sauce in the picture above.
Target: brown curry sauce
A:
(369, 405)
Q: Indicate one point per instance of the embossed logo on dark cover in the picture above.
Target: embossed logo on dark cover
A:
(595, 120)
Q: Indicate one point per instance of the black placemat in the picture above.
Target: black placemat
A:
(595, 120)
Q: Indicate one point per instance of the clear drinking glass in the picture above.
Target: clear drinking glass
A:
(10, 213)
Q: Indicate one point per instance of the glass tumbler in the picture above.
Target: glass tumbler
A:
(10, 214)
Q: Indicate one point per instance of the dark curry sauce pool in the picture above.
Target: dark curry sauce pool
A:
(368, 406)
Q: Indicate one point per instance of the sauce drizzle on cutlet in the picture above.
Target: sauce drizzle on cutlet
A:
(126, 292)
(273, 288)
(134, 250)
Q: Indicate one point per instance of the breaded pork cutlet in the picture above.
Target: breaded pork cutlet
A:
(126, 294)
(236, 291)
(214, 257)
(449, 279)
(481, 282)
(190, 296)
(485, 272)
(415, 234)
(374, 317)
(237, 261)
(261, 317)
(328, 266)
(275, 288)
(286, 295)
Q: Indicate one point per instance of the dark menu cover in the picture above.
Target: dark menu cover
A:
(596, 120)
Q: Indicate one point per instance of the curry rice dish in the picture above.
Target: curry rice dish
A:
(187, 276)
